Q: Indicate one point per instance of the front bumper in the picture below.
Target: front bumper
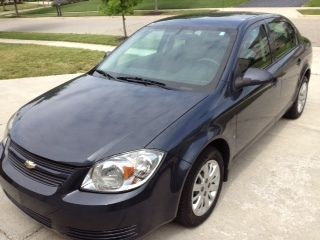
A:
(86, 215)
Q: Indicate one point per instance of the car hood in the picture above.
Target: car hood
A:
(90, 118)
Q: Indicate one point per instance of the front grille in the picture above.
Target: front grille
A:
(128, 233)
(36, 216)
(46, 172)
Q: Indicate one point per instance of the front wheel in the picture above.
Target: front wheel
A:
(297, 108)
(202, 189)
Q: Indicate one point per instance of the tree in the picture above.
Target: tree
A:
(16, 7)
(156, 6)
(3, 5)
(122, 7)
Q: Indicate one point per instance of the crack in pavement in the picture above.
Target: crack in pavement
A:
(25, 238)
(5, 234)
(32, 233)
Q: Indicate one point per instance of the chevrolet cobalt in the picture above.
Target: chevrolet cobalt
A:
(148, 135)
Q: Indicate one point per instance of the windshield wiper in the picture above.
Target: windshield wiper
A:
(106, 74)
(142, 81)
(132, 79)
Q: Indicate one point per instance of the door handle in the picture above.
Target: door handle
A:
(299, 61)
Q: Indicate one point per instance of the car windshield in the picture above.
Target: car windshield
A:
(179, 57)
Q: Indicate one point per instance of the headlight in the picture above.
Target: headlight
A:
(123, 172)
(9, 126)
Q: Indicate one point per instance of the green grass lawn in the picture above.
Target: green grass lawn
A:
(20, 60)
(172, 12)
(310, 11)
(82, 38)
(87, 8)
(314, 3)
(91, 7)
(20, 6)
(184, 4)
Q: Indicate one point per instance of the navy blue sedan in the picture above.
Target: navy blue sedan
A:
(148, 135)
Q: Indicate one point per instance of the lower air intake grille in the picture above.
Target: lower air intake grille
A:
(36, 216)
(128, 233)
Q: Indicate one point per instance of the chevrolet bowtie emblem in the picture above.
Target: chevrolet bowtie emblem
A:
(30, 165)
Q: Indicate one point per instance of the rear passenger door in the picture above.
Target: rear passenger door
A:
(286, 57)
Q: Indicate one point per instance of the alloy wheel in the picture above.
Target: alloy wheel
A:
(302, 98)
(205, 187)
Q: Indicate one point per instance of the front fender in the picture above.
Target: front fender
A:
(197, 129)
(213, 119)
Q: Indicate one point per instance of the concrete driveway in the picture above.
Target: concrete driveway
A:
(273, 191)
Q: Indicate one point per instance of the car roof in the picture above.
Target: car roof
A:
(219, 19)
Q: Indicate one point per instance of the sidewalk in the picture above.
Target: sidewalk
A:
(94, 47)
(287, 12)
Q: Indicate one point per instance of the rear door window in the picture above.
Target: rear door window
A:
(282, 38)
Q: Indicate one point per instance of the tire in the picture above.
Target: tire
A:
(297, 108)
(187, 215)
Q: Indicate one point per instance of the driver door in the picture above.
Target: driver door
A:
(258, 105)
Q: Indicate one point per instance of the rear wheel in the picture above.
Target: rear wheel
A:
(202, 189)
(297, 108)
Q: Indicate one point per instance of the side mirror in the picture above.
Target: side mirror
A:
(252, 77)
(107, 54)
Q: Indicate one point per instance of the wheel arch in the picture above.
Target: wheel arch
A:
(307, 73)
(222, 145)
(224, 148)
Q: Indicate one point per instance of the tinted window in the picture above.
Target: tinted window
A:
(255, 51)
(181, 57)
(282, 38)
